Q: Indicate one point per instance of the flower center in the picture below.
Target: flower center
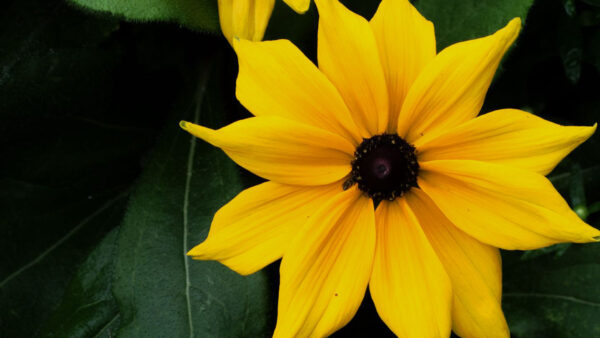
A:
(384, 166)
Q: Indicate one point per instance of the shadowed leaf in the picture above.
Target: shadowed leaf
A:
(161, 291)
(195, 14)
(468, 19)
(89, 308)
(553, 296)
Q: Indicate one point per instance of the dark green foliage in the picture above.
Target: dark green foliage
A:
(469, 19)
(195, 14)
(66, 169)
(89, 308)
(161, 291)
(79, 107)
(554, 296)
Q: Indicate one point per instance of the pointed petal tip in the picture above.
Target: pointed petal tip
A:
(509, 33)
(299, 6)
(594, 234)
(589, 131)
(200, 253)
(515, 22)
(183, 125)
(196, 130)
(591, 236)
(195, 252)
(513, 28)
(199, 131)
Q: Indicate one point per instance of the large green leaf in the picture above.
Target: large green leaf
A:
(89, 308)
(65, 171)
(554, 296)
(44, 239)
(48, 51)
(77, 112)
(467, 19)
(194, 14)
(161, 291)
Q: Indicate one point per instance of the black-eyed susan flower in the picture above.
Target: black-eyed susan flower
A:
(248, 19)
(386, 122)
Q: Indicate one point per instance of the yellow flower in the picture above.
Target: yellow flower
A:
(386, 119)
(248, 19)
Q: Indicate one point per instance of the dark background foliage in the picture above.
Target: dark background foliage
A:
(101, 193)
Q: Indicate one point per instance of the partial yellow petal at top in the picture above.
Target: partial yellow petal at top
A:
(325, 271)
(245, 19)
(406, 42)
(508, 136)
(474, 268)
(503, 206)
(258, 225)
(300, 6)
(281, 150)
(452, 87)
(409, 286)
(275, 78)
(348, 55)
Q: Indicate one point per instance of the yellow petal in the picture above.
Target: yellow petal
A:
(451, 88)
(508, 136)
(325, 272)
(255, 228)
(474, 268)
(348, 55)
(503, 206)
(406, 44)
(410, 288)
(300, 6)
(244, 19)
(281, 150)
(275, 78)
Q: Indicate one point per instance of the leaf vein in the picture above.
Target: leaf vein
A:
(186, 201)
(552, 296)
(66, 237)
(107, 325)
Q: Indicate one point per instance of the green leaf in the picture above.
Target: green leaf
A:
(160, 290)
(71, 144)
(195, 14)
(40, 250)
(89, 308)
(65, 173)
(49, 51)
(468, 19)
(553, 296)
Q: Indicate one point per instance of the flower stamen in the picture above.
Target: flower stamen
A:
(384, 166)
